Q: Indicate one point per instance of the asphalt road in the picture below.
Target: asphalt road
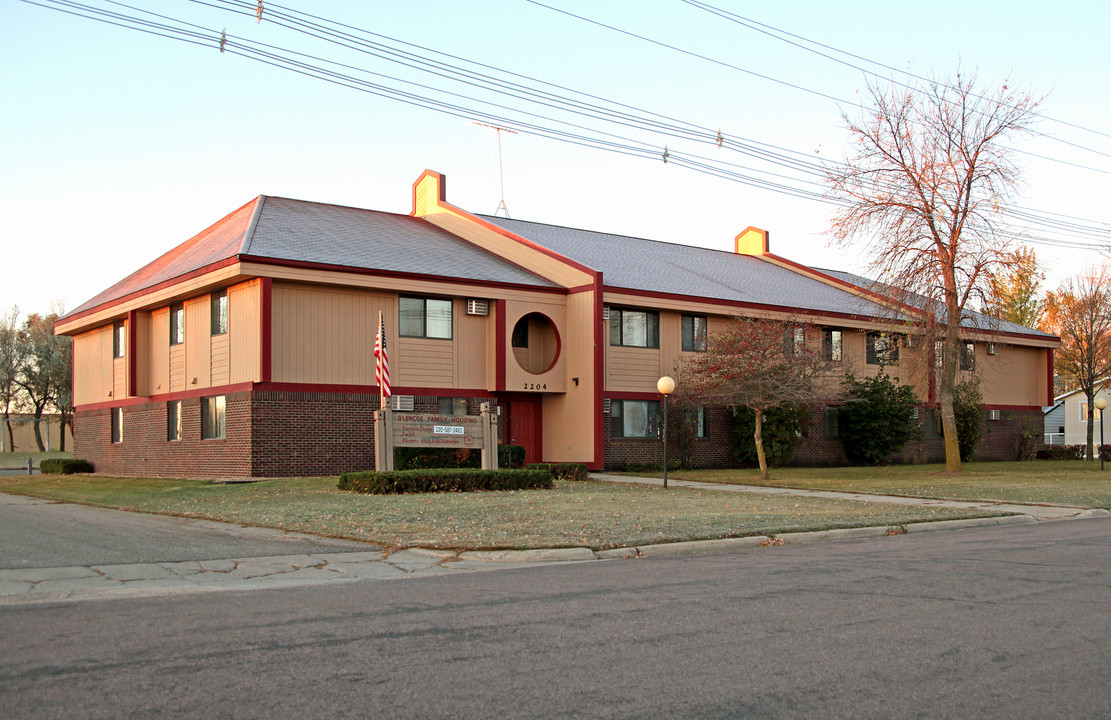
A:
(37, 533)
(1007, 622)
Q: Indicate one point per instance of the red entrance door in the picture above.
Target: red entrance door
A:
(523, 427)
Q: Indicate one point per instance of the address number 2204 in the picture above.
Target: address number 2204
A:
(535, 386)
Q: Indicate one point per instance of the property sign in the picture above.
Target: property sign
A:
(420, 430)
(406, 429)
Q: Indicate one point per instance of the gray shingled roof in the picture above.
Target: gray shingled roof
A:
(974, 320)
(300, 231)
(351, 237)
(639, 264)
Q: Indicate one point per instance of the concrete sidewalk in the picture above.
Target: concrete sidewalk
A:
(1037, 511)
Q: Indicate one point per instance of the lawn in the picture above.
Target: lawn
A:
(18, 460)
(573, 514)
(1064, 482)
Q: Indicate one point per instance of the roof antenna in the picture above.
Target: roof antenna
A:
(501, 173)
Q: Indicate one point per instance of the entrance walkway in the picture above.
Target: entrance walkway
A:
(1041, 512)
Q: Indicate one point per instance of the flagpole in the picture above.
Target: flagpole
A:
(378, 360)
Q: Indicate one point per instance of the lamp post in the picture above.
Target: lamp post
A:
(1101, 403)
(666, 386)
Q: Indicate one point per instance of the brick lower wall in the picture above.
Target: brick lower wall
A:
(268, 434)
(283, 434)
(312, 434)
(146, 452)
(714, 451)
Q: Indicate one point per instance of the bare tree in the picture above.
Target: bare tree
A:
(1080, 313)
(9, 367)
(927, 173)
(757, 364)
(43, 362)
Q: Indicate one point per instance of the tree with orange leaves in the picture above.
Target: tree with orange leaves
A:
(928, 170)
(1079, 312)
(757, 364)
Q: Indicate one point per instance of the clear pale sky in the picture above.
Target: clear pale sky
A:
(116, 146)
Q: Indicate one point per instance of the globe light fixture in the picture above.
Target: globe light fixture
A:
(666, 386)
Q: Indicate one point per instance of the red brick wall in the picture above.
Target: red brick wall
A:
(709, 452)
(145, 451)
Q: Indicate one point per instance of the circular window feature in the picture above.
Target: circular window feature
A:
(535, 343)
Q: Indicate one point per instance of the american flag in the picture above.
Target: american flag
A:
(382, 360)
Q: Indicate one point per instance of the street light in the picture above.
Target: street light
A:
(1101, 403)
(666, 386)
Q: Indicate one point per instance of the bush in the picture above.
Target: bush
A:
(418, 458)
(443, 480)
(511, 456)
(781, 432)
(878, 419)
(561, 471)
(969, 411)
(64, 466)
(1061, 452)
(649, 467)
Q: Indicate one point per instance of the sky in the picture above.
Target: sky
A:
(116, 146)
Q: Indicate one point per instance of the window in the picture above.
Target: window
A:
(635, 418)
(119, 340)
(939, 353)
(831, 347)
(634, 328)
(220, 312)
(520, 334)
(454, 406)
(883, 349)
(424, 317)
(213, 421)
(968, 356)
(173, 420)
(700, 421)
(832, 422)
(694, 333)
(117, 425)
(794, 340)
(177, 324)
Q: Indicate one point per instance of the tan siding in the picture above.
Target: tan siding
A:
(326, 335)
(221, 360)
(119, 378)
(423, 363)
(198, 345)
(671, 343)
(470, 347)
(160, 351)
(553, 379)
(140, 355)
(632, 369)
(569, 417)
(92, 363)
(244, 332)
(1016, 376)
(178, 381)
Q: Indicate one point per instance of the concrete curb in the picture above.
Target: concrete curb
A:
(541, 555)
(969, 523)
(701, 546)
(838, 534)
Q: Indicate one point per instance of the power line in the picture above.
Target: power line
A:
(541, 125)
